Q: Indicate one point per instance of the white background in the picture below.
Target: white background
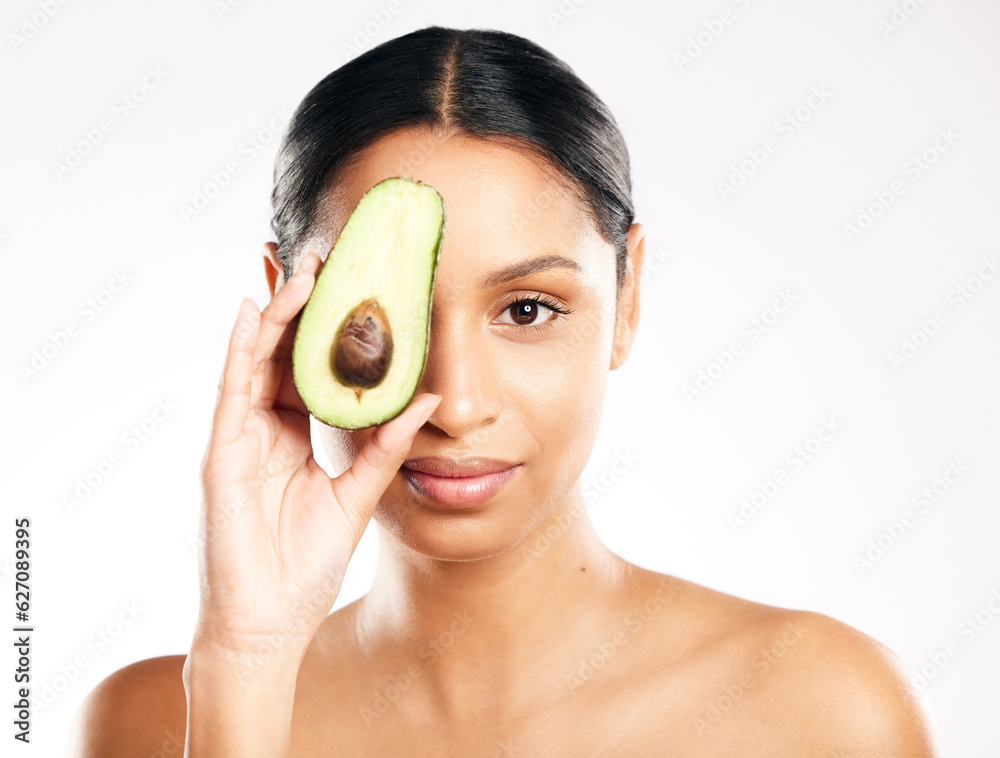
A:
(713, 263)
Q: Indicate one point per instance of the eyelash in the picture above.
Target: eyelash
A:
(539, 300)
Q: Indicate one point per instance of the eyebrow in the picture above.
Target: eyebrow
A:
(525, 268)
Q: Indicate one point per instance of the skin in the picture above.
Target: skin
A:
(510, 629)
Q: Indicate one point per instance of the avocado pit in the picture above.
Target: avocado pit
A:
(362, 350)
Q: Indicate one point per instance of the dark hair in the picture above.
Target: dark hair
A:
(484, 83)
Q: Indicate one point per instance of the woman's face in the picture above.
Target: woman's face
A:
(518, 382)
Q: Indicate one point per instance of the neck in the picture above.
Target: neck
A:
(474, 626)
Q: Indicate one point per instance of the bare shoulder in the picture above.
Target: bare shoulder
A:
(137, 710)
(851, 693)
(801, 682)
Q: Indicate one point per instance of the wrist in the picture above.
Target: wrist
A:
(269, 660)
(289, 642)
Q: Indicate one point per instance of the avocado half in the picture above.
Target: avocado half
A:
(363, 335)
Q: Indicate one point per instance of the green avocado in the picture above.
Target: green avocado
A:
(362, 339)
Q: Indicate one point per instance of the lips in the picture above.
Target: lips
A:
(457, 468)
(458, 483)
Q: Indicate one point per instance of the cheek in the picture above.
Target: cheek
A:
(553, 392)
(557, 386)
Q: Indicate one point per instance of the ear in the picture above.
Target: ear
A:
(273, 269)
(627, 316)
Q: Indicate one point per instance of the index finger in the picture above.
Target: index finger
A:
(276, 336)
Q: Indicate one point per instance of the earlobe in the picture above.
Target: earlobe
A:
(627, 315)
(273, 270)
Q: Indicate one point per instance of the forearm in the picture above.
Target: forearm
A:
(239, 706)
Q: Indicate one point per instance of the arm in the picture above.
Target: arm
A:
(276, 535)
(238, 704)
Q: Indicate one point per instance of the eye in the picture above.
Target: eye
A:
(525, 311)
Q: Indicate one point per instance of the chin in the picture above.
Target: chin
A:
(454, 534)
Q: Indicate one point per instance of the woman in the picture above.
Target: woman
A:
(498, 623)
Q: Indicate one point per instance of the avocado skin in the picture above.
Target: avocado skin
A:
(311, 348)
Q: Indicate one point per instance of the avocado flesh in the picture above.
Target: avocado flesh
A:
(387, 252)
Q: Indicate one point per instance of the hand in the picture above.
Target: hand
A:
(277, 531)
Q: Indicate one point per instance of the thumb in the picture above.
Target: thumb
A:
(359, 488)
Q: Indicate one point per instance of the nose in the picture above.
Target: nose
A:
(460, 370)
